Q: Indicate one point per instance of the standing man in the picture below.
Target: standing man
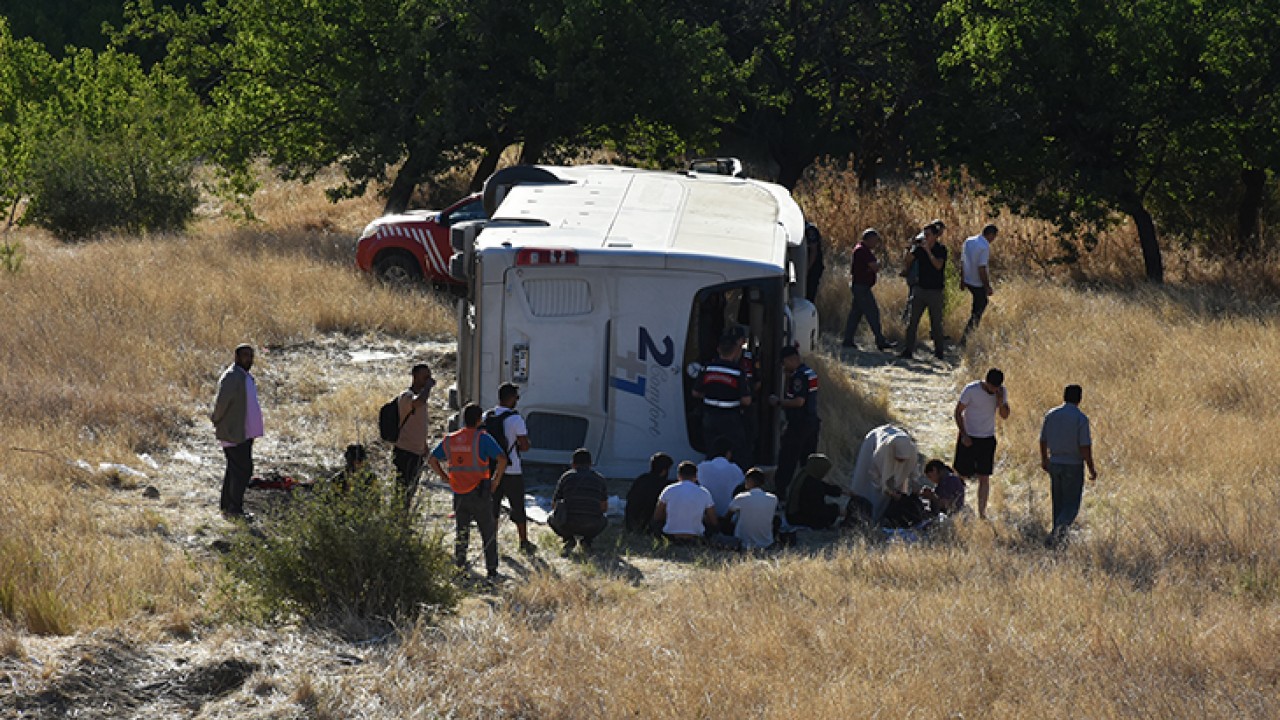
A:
(864, 268)
(974, 275)
(799, 402)
(724, 390)
(980, 402)
(508, 428)
(411, 447)
(1065, 449)
(468, 452)
(931, 259)
(813, 274)
(237, 420)
(585, 497)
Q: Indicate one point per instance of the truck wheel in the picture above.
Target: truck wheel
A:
(398, 270)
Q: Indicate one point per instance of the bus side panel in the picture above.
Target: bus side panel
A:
(646, 391)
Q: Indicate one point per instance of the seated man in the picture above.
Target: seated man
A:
(720, 476)
(947, 493)
(579, 504)
(885, 467)
(754, 511)
(354, 458)
(685, 509)
(642, 498)
(807, 504)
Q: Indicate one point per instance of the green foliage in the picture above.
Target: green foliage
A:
(335, 555)
(110, 147)
(11, 256)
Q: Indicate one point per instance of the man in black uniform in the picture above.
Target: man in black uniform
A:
(724, 391)
(800, 405)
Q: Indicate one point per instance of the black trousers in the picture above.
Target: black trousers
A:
(798, 442)
(584, 528)
(236, 478)
(475, 506)
(980, 302)
(408, 468)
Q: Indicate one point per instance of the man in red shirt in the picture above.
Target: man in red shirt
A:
(865, 267)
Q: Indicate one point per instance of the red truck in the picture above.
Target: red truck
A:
(413, 246)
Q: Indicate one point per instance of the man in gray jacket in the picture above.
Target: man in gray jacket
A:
(237, 420)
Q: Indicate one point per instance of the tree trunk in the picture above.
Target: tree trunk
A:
(532, 151)
(1249, 212)
(488, 163)
(1151, 259)
(411, 173)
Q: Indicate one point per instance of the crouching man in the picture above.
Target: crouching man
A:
(579, 505)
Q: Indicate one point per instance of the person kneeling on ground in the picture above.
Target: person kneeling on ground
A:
(947, 493)
(642, 498)
(887, 462)
(685, 510)
(754, 511)
(579, 504)
(355, 458)
(807, 504)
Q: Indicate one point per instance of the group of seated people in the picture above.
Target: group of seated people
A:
(715, 500)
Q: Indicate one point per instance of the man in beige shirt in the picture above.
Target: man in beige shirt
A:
(411, 448)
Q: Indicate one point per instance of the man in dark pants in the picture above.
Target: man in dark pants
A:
(411, 446)
(237, 420)
(931, 259)
(642, 498)
(515, 435)
(1066, 447)
(800, 405)
(585, 497)
(813, 248)
(975, 276)
(863, 270)
(468, 452)
(724, 390)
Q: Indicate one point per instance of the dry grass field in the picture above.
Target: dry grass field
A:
(1164, 604)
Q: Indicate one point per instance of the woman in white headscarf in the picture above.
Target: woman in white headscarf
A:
(886, 465)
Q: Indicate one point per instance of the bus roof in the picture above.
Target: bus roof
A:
(649, 212)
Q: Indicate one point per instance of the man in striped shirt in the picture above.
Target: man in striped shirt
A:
(724, 390)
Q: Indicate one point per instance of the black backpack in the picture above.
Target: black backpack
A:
(492, 424)
(389, 424)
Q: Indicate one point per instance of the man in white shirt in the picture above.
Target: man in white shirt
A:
(515, 435)
(755, 510)
(237, 420)
(685, 509)
(975, 276)
(720, 476)
(980, 402)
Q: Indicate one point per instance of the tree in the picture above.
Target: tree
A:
(1077, 109)
(827, 77)
(24, 81)
(424, 85)
(109, 146)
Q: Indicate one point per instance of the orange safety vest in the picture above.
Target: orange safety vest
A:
(466, 469)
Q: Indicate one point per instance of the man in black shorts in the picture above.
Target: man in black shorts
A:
(980, 402)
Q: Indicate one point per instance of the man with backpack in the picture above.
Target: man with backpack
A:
(506, 426)
(411, 439)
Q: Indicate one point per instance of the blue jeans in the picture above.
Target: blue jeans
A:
(1066, 485)
(864, 303)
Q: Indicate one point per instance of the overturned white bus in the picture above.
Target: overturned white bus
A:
(595, 288)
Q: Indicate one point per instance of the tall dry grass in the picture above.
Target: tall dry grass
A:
(112, 348)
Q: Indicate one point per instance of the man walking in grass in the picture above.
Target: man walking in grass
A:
(980, 402)
(1066, 448)
(863, 271)
(975, 276)
(930, 258)
(237, 420)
